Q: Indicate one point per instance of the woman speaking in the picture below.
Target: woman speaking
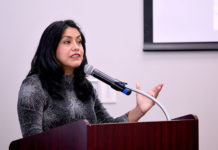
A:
(56, 91)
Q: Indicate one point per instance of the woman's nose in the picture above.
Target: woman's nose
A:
(75, 46)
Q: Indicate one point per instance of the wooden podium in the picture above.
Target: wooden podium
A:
(178, 134)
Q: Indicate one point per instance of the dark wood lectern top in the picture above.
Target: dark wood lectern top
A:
(178, 134)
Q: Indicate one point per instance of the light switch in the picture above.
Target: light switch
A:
(105, 93)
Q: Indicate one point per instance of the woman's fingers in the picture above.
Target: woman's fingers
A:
(156, 90)
(153, 92)
(138, 86)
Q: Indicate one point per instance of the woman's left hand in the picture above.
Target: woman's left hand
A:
(144, 103)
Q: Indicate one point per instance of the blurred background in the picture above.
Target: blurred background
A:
(114, 33)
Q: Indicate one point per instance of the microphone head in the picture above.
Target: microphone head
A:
(88, 69)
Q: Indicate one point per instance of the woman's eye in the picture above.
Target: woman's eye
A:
(79, 42)
(66, 42)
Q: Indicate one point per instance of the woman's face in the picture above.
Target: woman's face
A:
(70, 50)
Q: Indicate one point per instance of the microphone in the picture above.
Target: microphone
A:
(120, 86)
(114, 83)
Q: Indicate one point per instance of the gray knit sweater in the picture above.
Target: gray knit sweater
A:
(38, 112)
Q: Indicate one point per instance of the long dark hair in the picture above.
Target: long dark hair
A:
(50, 72)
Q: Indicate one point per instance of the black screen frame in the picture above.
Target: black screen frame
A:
(149, 45)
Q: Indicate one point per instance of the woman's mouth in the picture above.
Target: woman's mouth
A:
(75, 56)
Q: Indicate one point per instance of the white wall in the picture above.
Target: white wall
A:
(114, 32)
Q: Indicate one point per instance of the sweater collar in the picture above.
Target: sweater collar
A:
(68, 79)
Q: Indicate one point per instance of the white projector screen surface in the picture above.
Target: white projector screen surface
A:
(185, 20)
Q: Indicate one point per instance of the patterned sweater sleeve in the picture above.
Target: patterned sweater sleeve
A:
(30, 105)
(103, 116)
